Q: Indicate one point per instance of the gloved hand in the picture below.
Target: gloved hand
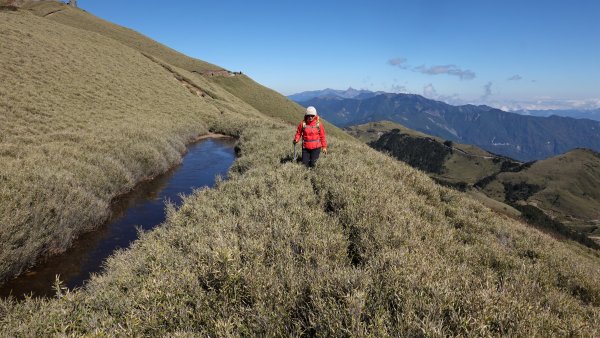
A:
(294, 141)
(325, 151)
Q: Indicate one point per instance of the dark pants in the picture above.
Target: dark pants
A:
(310, 156)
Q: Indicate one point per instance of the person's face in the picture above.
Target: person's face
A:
(310, 117)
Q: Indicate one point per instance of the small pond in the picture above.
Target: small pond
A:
(142, 208)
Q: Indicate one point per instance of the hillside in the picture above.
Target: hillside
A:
(264, 99)
(270, 102)
(362, 245)
(521, 137)
(455, 164)
(76, 18)
(566, 187)
(84, 118)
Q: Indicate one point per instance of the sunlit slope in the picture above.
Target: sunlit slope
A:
(370, 132)
(452, 163)
(263, 99)
(566, 187)
(78, 18)
(82, 119)
(269, 101)
(361, 245)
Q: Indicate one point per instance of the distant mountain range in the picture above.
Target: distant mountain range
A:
(522, 137)
(349, 93)
(574, 113)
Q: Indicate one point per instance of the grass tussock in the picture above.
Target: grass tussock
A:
(362, 245)
(77, 18)
(358, 246)
(85, 119)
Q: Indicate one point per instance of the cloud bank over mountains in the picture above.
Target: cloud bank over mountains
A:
(487, 96)
(453, 70)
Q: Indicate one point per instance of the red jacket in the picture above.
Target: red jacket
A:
(312, 133)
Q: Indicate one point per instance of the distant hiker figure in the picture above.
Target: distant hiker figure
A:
(313, 137)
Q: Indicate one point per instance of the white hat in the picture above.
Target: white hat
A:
(311, 111)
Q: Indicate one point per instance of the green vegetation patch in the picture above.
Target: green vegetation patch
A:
(565, 187)
(519, 191)
(452, 164)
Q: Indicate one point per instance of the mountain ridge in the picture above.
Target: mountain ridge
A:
(518, 136)
(349, 93)
(591, 114)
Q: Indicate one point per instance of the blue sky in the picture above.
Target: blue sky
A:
(507, 54)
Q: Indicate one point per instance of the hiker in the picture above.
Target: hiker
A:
(313, 137)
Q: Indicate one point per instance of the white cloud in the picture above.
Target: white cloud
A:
(396, 88)
(430, 92)
(446, 69)
(487, 91)
(398, 62)
(544, 103)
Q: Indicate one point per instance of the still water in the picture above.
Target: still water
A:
(142, 208)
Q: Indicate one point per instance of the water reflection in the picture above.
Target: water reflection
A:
(143, 208)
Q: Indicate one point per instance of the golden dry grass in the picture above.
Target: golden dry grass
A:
(78, 18)
(269, 102)
(360, 246)
(82, 119)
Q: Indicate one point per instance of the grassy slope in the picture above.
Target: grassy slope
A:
(270, 102)
(80, 19)
(85, 119)
(383, 250)
(369, 132)
(263, 99)
(569, 187)
(459, 167)
(569, 182)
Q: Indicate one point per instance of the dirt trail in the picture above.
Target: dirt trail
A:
(53, 12)
(193, 88)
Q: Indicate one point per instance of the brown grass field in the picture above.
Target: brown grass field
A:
(362, 245)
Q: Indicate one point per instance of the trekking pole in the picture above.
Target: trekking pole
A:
(295, 153)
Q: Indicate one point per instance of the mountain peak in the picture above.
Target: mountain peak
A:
(350, 93)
